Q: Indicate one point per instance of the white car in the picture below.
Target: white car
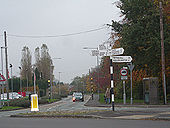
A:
(12, 95)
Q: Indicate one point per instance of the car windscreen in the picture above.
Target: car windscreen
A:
(78, 94)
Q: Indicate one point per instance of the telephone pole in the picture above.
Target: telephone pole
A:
(6, 58)
(162, 53)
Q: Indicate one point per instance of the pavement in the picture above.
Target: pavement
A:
(128, 111)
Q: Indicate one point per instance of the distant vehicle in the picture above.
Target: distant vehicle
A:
(78, 96)
(12, 95)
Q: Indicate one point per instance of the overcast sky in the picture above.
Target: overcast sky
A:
(57, 17)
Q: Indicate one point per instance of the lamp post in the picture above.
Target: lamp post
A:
(27, 79)
(97, 66)
(59, 84)
(11, 80)
(20, 81)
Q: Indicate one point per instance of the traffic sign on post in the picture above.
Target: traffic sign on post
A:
(95, 52)
(119, 59)
(102, 47)
(2, 79)
(116, 51)
(113, 52)
(124, 73)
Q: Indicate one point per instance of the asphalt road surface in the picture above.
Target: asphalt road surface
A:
(78, 123)
(65, 104)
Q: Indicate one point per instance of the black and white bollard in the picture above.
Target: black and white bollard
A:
(49, 90)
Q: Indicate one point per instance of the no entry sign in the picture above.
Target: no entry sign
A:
(123, 72)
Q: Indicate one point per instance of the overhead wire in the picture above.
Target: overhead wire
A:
(55, 36)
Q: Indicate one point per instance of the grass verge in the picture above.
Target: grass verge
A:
(60, 113)
(120, 101)
(5, 108)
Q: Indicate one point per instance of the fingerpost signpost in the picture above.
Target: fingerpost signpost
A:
(113, 54)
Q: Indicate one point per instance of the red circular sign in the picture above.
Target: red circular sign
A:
(123, 72)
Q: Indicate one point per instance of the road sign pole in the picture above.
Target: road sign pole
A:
(0, 96)
(3, 94)
(131, 66)
(112, 83)
(131, 99)
(124, 93)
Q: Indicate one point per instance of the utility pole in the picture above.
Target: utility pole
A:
(162, 53)
(98, 75)
(6, 58)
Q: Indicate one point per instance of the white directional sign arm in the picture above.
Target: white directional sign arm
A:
(121, 59)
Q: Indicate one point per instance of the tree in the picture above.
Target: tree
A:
(26, 63)
(37, 63)
(139, 34)
(46, 62)
(77, 84)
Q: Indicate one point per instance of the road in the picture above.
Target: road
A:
(78, 123)
(63, 105)
(67, 104)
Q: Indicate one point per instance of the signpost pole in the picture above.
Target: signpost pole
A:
(2, 82)
(0, 96)
(131, 99)
(2, 86)
(131, 66)
(124, 93)
(112, 83)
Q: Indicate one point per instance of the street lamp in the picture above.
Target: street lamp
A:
(20, 81)
(59, 84)
(11, 80)
(27, 79)
(97, 66)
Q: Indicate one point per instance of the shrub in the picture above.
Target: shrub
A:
(56, 96)
(19, 102)
(43, 101)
